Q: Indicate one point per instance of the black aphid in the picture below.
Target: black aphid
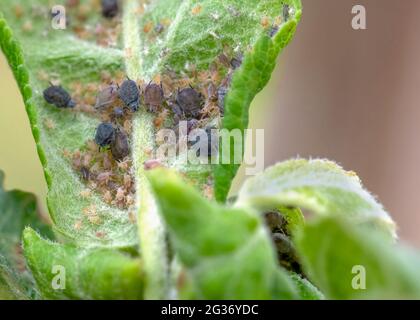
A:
(130, 94)
(273, 30)
(106, 97)
(119, 145)
(104, 134)
(59, 97)
(153, 96)
(274, 221)
(159, 28)
(190, 101)
(236, 62)
(109, 8)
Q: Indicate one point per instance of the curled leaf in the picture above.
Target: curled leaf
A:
(317, 185)
(227, 252)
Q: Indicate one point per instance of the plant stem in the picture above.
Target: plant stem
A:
(151, 230)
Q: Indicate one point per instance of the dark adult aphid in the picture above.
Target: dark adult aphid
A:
(190, 101)
(119, 145)
(153, 96)
(274, 221)
(59, 97)
(159, 28)
(130, 94)
(106, 97)
(236, 62)
(273, 30)
(104, 134)
(109, 8)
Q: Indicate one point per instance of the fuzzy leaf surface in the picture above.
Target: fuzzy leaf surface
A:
(320, 186)
(347, 261)
(227, 252)
(194, 34)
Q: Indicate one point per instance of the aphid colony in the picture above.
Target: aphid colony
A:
(105, 163)
(125, 100)
(286, 252)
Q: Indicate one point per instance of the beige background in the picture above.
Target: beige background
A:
(352, 96)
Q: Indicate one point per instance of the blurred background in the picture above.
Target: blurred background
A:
(348, 95)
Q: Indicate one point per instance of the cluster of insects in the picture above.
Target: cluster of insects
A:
(105, 162)
(286, 252)
(197, 97)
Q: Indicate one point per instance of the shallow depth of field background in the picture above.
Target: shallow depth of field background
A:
(351, 96)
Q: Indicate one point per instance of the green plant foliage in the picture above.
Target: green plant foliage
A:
(208, 237)
(60, 53)
(194, 34)
(215, 250)
(17, 210)
(100, 273)
(251, 78)
(331, 247)
(198, 33)
(317, 185)
(306, 290)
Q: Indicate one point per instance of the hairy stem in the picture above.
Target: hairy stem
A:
(151, 230)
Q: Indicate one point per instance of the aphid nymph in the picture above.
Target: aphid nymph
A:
(106, 97)
(85, 173)
(59, 97)
(221, 94)
(153, 96)
(119, 145)
(236, 62)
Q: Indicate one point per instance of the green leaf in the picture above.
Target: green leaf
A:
(336, 253)
(306, 290)
(17, 210)
(227, 252)
(195, 33)
(69, 272)
(317, 185)
(61, 55)
(198, 32)
(250, 79)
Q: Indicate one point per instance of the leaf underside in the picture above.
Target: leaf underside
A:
(195, 34)
(90, 53)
